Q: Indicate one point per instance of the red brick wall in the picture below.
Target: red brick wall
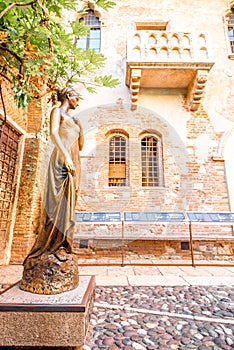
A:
(208, 176)
(29, 201)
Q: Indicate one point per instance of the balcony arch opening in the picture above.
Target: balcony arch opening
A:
(174, 41)
(163, 40)
(136, 39)
(187, 53)
(152, 53)
(163, 53)
(203, 52)
(136, 52)
(202, 40)
(175, 53)
(185, 41)
(152, 40)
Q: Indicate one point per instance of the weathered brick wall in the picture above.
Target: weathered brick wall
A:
(31, 184)
(192, 179)
(208, 176)
(163, 251)
(28, 203)
(17, 120)
(28, 195)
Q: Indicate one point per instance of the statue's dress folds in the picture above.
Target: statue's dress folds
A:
(58, 220)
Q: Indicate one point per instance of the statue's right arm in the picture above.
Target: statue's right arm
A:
(55, 118)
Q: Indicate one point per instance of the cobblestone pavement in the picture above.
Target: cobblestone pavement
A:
(150, 318)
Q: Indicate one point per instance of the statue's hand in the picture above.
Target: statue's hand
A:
(69, 165)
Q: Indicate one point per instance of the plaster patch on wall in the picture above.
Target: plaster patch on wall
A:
(202, 147)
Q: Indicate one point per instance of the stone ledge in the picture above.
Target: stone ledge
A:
(28, 319)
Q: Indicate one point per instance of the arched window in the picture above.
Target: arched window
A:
(117, 161)
(231, 29)
(151, 161)
(93, 39)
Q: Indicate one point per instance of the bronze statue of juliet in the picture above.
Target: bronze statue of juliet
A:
(56, 231)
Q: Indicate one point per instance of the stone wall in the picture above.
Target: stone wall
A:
(195, 147)
(195, 176)
(162, 251)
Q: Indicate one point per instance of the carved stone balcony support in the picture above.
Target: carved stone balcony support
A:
(135, 86)
(196, 89)
(161, 59)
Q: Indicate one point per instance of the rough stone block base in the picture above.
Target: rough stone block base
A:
(28, 319)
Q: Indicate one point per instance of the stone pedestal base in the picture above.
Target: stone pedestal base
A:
(28, 319)
(51, 273)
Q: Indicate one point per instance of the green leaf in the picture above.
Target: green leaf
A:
(91, 89)
(107, 81)
(36, 44)
(79, 29)
(105, 4)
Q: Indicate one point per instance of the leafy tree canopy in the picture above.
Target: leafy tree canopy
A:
(35, 42)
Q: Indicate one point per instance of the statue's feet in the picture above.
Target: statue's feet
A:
(61, 254)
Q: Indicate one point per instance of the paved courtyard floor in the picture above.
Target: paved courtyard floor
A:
(156, 307)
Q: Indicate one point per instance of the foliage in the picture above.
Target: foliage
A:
(38, 53)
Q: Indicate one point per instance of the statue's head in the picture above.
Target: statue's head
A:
(67, 93)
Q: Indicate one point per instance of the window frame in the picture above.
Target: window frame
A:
(160, 170)
(231, 27)
(226, 20)
(88, 39)
(126, 170)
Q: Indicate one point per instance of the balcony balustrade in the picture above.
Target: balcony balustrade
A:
(162, 59)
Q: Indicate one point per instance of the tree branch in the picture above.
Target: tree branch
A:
(5, 77)
(18, 58)
(16, 4)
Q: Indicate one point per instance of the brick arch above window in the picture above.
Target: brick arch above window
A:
(152, 132)
(117, 131)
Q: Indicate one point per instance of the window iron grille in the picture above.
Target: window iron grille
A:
(150, 161)
(117, 161)
(231, 30)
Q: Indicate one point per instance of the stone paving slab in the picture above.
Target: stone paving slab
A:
(230, 268)
(210, 280)
(215, 271)
(146, 270)
(111, 281)
(10, 274)
(123, 271)
(93, 270)
(170, 270)
(197, 271)
(150, 280)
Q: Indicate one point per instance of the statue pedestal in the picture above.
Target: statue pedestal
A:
(28, 319)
